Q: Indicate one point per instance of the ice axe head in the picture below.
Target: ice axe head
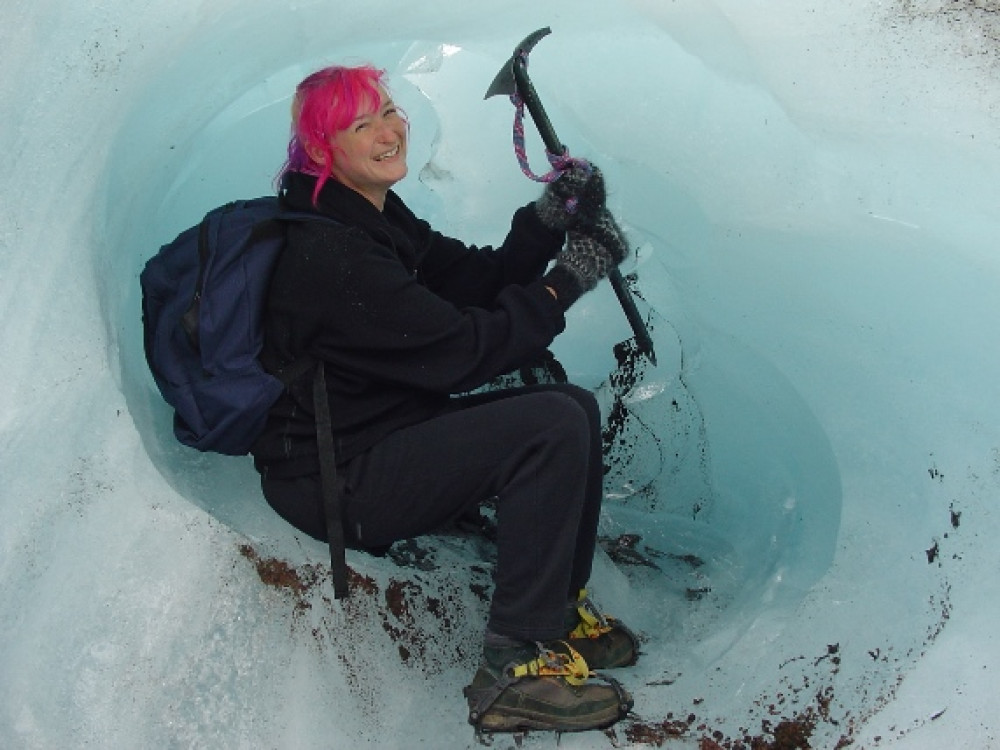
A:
(505, 81)
(513, 80)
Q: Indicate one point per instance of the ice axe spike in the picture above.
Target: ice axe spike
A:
(513, 79)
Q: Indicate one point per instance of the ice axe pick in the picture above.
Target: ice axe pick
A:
(513, 80)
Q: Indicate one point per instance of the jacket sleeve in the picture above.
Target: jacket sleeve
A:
(375, 320)
(469, 275)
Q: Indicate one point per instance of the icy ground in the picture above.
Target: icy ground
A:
(802, 497)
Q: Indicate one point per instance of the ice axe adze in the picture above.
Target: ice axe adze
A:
(513, 80)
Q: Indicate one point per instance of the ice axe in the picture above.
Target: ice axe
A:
(512, 80)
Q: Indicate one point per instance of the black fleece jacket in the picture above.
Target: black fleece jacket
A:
(402, 317)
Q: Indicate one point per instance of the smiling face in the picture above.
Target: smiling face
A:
(369, 156)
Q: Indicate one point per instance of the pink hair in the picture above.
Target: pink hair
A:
(325, 103)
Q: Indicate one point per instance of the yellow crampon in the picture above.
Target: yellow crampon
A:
(592, 623)
(570, 666)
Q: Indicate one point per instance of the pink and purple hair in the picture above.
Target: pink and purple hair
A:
(325, 103)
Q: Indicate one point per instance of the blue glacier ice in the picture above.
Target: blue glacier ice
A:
(801, 514)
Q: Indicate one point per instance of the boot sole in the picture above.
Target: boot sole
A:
(505, 722)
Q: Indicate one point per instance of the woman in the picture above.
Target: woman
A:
(403, 318)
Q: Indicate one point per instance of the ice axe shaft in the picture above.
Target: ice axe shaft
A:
(513, 79)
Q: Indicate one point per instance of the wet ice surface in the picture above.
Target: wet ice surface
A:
(801, 494)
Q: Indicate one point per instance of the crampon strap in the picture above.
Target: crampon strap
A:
(592, 624)
(559, 162)
(570, 666)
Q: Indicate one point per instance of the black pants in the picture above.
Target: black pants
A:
(536, 449)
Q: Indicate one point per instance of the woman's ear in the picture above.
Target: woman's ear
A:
(316, 153)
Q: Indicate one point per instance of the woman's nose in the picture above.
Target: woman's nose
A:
(387, 133)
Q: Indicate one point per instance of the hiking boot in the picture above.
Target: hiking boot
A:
(532, 686)
(603, 641)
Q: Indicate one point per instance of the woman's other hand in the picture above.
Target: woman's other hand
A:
(574, 199)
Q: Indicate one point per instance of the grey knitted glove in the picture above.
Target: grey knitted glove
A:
(575, 197)
(605, 231)
(586, 260)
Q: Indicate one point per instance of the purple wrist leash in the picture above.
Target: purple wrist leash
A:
(560, 162)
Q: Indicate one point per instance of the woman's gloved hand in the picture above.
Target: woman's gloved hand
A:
(574, 199)
(588, 257)
(605, 230)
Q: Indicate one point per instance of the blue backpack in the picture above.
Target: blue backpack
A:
(203, 298)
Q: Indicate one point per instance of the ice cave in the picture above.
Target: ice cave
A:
(800, 514)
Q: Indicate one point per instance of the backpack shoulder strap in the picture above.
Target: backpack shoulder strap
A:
(291, 372)
(324, 438)
(303, 216)
(328, 483)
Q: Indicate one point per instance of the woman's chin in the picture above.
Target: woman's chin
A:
(399, 173)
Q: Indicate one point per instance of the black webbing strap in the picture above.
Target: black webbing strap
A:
(189, 320)
(328, 482)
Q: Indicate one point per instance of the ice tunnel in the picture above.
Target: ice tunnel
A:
(801, 491)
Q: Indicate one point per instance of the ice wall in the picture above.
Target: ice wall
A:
(800, 514)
